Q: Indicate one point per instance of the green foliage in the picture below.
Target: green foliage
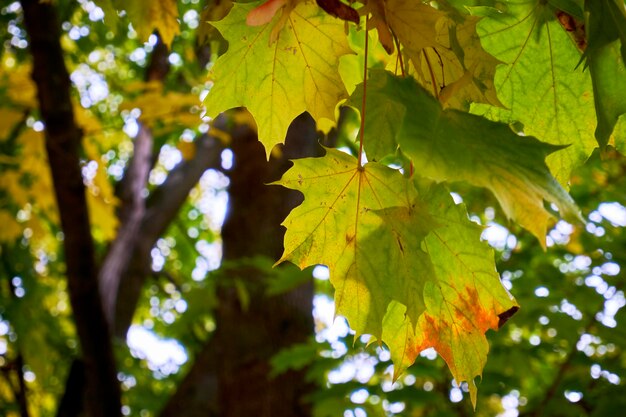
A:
(540, 84)
(450, 145)
(606, 57)
(345, 208)
(345, 223)
(461, 95)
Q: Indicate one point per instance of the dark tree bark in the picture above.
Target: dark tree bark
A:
(21, 399)
(235, 361)
(196, 394)
(62, 145)
(72, 402)
(248, 337)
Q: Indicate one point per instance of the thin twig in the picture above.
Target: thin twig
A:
(397, 42)
(432, 75)
(362, 131)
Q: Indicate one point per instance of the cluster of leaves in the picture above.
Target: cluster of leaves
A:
(406, 263)
(562, 353)
(459, 99)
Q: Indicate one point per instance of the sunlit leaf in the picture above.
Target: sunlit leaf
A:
(539, 82)
(364, 224)
(450, 145)
(463, 297)
(391, 250)
(278, 81)
(148, 15)
(445, 51)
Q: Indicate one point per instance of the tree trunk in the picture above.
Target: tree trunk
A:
(231, 374)
(63, 138)
(248, 336)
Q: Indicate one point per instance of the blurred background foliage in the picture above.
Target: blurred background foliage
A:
(562, 354)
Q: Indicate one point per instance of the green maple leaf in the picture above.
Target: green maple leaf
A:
(444, 49)
(450, 145)
(278, 82)
(463, 297)
(606, 57)
(345, 223)
(539, 83)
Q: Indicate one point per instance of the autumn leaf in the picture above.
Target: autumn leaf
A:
(148, 15)
(164, 110)
(364, 224)
(539, 83)
(9, 121)
(11, 230)
(389, 249)
(340, 10)
(263, 14)
(463, 297)
(606, 57)
(377, 20)
(278, 82)
(450, 145)
(445, 51)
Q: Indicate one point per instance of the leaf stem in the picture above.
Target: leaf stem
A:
(362, 129)
(400, 59)
(432, 75)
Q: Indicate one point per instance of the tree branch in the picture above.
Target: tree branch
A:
(563, 368)
(161, 209)
(63, 138)
(131, 216)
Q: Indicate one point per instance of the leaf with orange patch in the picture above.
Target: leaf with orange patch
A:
(407, 265)
(463, 297)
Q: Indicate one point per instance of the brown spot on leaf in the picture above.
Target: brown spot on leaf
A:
(338, 9)
(400, 244)
(505, 316)
(574, 27)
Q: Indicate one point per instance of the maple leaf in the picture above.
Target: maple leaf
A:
(606, 57)
(278, 82)
(450, 145)
(147, 15)
(539, 83)
(445, 51)
(390, 248)
(363, 223)
(463, 297)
